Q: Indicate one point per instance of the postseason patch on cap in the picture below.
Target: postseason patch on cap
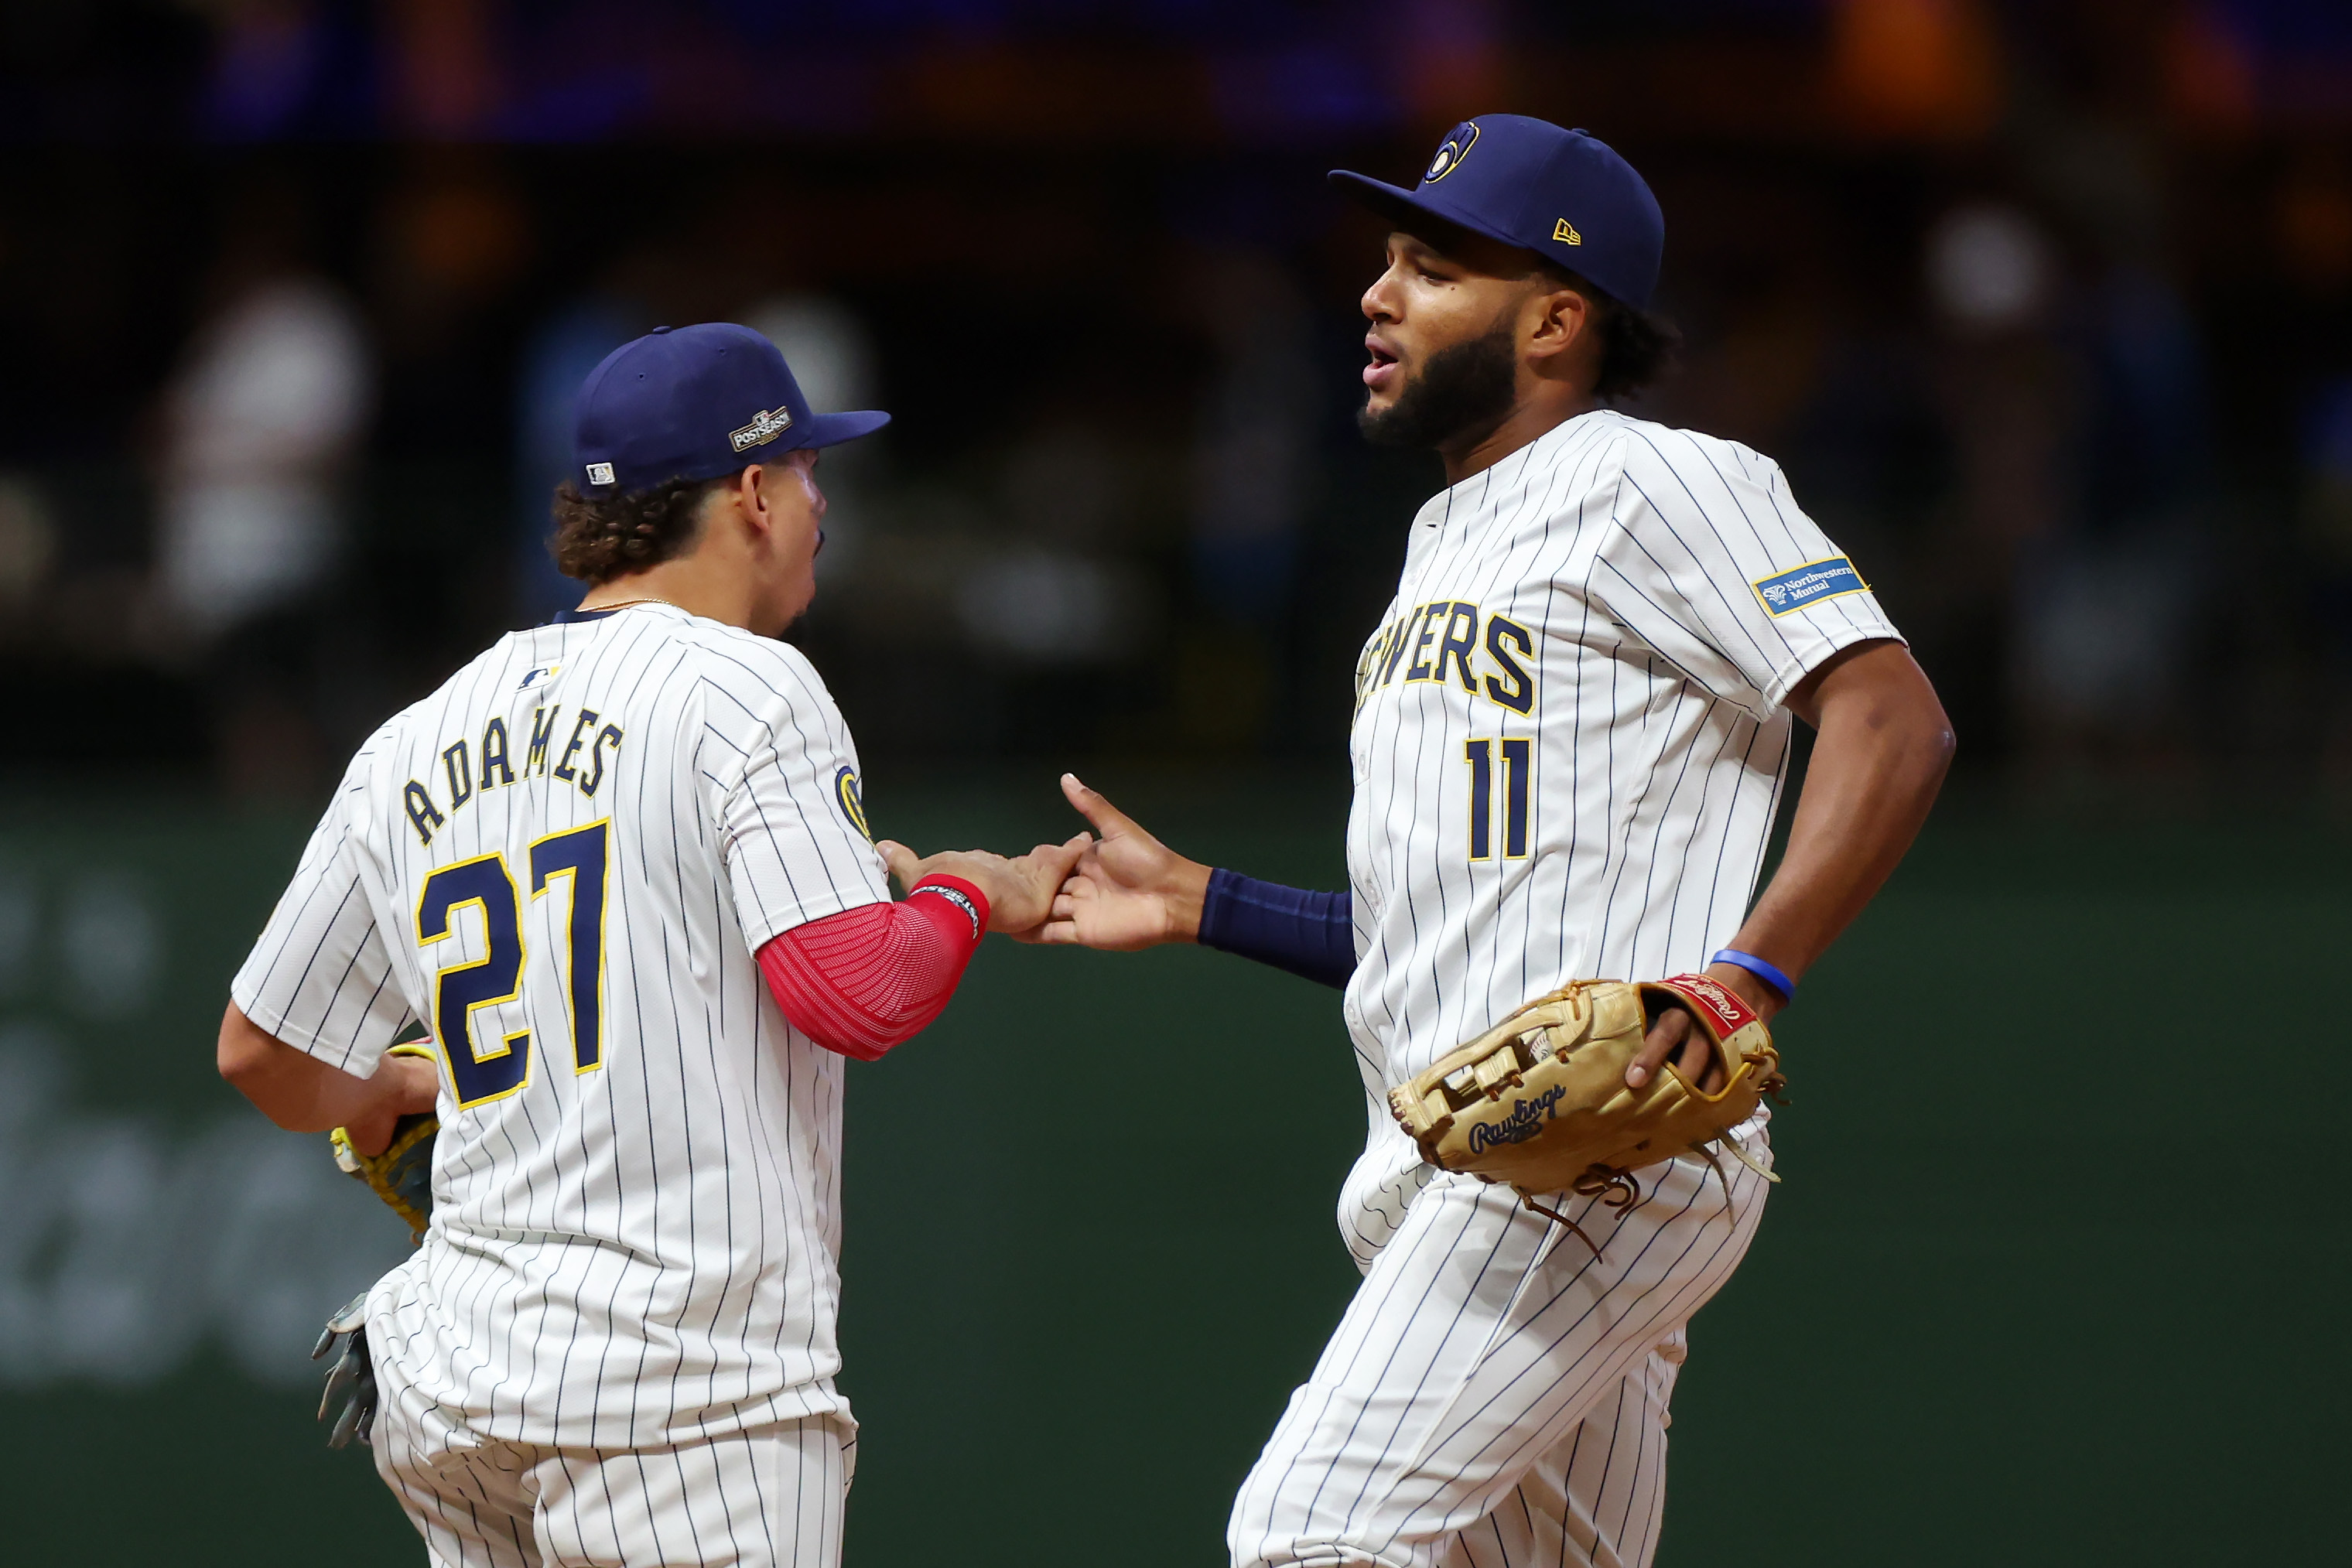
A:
(1808, 584)
(766, 426)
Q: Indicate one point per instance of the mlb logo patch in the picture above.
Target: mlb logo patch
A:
(600, 473)
(1808, 584)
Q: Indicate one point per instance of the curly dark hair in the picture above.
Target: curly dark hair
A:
(1637, 346)
(599, 538)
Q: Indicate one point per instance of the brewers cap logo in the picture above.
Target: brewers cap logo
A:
(852, 802)
(766, 426)
(1449, 157)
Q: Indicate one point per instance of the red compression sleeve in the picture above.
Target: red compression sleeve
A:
(865, 980)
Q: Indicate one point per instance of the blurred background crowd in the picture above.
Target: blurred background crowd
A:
(2045, 306)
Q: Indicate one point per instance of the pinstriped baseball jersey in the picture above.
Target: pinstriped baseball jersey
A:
(1568, 741)
(563, 861)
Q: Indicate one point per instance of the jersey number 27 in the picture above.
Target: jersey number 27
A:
(484, 1070)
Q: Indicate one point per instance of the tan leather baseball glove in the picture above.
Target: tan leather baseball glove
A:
(1539, 1101)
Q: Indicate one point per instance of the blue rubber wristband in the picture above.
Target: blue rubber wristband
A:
(1760, 970)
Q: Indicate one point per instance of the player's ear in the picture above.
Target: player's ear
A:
(1561, 317)
(1565, 340)
(750, 493)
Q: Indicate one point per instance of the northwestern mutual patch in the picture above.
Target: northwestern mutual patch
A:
(1809, 584)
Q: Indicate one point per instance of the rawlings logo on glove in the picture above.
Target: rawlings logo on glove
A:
(1526, 1120)
(1539, 1102)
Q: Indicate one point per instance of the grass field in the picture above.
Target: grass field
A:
(2027, 1296)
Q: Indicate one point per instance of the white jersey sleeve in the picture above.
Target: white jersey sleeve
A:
(1710, 562)
(320, 978)
(793, 823)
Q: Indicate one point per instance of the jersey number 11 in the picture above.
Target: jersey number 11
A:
(484, 1070)
(1480, 754)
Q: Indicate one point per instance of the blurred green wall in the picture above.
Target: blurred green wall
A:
(2053, 1277)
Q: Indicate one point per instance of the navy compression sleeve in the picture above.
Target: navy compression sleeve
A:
(1311, 934)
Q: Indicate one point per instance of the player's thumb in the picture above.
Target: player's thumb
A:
(904, 863)
(1055, 859)
(1091, 804)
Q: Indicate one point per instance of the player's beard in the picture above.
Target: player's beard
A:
(1466, 389)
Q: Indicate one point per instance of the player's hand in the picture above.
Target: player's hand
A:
(1129, 890)
(403, 1086)
(1020, 889)
(1673, 1036)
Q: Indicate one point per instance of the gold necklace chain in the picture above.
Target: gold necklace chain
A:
(625, 604)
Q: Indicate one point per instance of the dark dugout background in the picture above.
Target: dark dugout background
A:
(2046, 308)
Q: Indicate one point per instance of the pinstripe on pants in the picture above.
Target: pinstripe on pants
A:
(1493, 1395)
(770, 1497)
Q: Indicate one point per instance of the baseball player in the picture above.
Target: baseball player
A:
(1572, 729)
(619, 865)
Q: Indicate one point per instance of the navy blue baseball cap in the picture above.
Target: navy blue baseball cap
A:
(1563, 195)
(694, 402)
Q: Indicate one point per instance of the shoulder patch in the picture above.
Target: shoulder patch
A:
(1808, 584)
(852, 800)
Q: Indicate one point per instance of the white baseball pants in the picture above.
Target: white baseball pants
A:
(769, 1497)
(1495, 1396)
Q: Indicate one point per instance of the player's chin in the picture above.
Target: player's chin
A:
(796, 604)
(1377, 422)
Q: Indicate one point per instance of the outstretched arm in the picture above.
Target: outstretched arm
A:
(1882, 746)
(1130, 891)
(1020, 890)
(872, 977)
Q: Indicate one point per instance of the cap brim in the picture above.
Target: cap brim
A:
(832, 428)
(1409, 210)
